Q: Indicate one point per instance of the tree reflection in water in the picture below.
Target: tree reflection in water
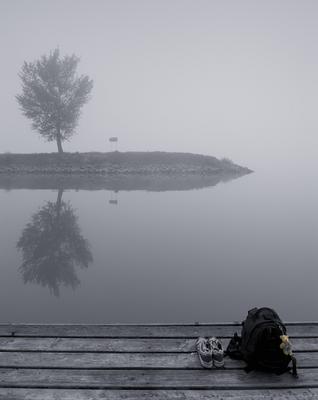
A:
(52, 247)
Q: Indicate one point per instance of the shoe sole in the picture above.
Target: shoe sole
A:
(218, 364)
(206, 364)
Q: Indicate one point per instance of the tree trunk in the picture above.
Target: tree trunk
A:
(59, 143)
(59, 198)
(58, 203)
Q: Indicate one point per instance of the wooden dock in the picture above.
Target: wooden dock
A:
(77, 362)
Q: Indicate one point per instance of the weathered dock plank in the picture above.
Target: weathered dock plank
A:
(106, 345)
(154, 379)
(118, 331)
(82, 394)
(141, 331)
(122, 345)
(124, 361)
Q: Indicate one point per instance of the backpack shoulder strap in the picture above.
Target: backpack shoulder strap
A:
(294, 361)
(233, 349)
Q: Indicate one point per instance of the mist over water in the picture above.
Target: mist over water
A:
(234, 79)
(175, 256)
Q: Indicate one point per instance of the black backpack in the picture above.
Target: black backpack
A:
(263, 343)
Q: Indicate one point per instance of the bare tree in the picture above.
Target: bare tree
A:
(53, 95)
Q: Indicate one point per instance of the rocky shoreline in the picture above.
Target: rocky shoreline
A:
(116, 183)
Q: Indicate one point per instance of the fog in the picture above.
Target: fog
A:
(143, 241)
(226, 78)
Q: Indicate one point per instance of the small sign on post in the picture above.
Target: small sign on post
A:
(113, 139)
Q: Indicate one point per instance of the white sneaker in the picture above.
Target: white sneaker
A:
(217, 352)
(204, 351)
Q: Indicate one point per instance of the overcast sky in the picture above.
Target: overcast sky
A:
(234, 78)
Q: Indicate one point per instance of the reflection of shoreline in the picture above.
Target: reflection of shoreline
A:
(160, 182)
(52, 246)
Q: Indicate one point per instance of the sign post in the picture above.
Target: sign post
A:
(113, 143)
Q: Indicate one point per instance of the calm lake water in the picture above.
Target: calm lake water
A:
(210, 254)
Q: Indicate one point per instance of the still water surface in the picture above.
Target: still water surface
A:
(95, 256)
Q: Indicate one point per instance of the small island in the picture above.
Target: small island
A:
(154, 171)
(117, 163)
